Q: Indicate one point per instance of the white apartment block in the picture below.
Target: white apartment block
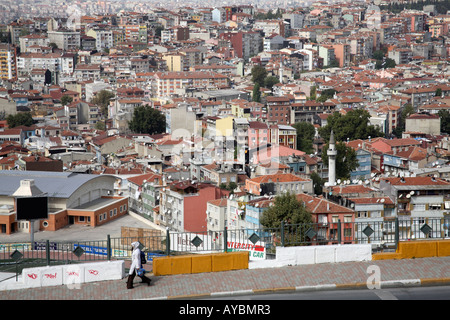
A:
(32, 40)
(51, 61)
(67, 40)
(103, 38)
(172, 83)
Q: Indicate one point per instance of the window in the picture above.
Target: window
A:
(362, 214)
(348, 232)
(110, 213)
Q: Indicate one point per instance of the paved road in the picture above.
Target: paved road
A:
(408, 293)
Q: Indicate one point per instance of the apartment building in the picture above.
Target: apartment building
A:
(258, 134)
(327, 215)
(283, 135)
(144, 193)
(424, 94)
(172, 83)
(342, 54)
(33, 40)
(246, 44)
(400, 55)
(309, 111)
(183, 205)
(85, 72)
(326, 52)
(279, 109)
(54, 62)
(420, 201)
(8, 64)
(104, 38)
(275, 184)
(66, 40)
(271, 27)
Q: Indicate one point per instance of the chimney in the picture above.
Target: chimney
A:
(27, 188)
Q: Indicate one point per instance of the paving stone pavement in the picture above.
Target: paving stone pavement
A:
(392, 273)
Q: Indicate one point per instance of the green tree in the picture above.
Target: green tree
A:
(102, 99)
(407, 110)
(326, 94)
(65, 100)
(385, 64)
(100, 125)
(378, 54)
(270, 81)
(318, 183)
(19, 119)
(312, 93)
(256, 93)
(305, 136)
(346, 160)
(147, 120)
(258, 75)
(354, 125)
(445, 121)
(286, 208)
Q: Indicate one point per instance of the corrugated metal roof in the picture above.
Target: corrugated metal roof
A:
(55, 184)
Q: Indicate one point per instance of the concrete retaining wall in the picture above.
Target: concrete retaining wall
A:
(291, 256)
(73, 274)
(417, 249)
(200, 263)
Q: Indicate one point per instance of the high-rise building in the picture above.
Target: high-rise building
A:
(8, 65)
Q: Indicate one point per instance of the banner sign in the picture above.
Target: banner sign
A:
(255, 252)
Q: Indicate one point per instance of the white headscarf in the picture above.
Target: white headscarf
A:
(135, 258)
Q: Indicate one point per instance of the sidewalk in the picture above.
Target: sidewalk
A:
(393, 273)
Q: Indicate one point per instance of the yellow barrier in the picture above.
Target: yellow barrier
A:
(417, 249)
(200, 263)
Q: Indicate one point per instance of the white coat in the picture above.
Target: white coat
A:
(135, 258)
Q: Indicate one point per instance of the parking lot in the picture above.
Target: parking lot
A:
(79, 232)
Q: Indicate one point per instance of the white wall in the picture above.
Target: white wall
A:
(291, 256)
(70, 275)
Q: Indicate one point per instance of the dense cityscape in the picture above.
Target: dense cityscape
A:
(201, 118)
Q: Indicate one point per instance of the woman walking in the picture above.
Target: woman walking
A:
(135, 266)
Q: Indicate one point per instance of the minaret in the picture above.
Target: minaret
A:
(331, 152)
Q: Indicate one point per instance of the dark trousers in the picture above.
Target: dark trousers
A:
(131, 278)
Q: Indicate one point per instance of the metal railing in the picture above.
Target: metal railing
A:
(261, 243)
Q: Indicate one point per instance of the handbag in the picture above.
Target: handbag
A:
(141, 272)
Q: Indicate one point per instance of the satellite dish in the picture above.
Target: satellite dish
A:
(382, 200)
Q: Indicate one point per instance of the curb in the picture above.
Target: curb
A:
(324, 287)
